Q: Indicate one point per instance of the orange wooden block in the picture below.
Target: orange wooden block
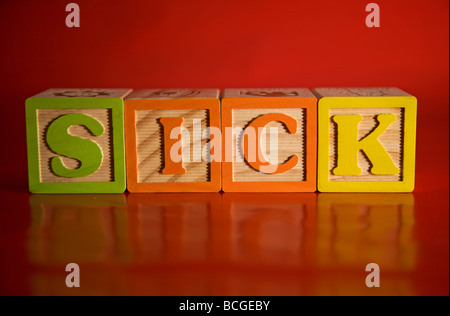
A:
(269, 140)
(170, 140)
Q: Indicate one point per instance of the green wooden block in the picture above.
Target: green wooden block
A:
(76, 141)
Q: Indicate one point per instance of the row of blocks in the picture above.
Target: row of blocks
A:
(245, 140)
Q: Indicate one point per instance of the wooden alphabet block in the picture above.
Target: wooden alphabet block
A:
(269, 140)
(367, 140)
(76, 141)
(173, 140)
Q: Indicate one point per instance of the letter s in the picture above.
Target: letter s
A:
(62, 143)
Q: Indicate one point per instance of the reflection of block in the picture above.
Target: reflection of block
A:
(156, 122)
(354, 229)
(250, 118)
(268, 229)
(366, 140)
(56, 219)
(76, 141)
(172, 227)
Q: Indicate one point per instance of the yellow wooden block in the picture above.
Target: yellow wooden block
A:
(367, 140)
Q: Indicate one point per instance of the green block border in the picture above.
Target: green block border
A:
(118, 137)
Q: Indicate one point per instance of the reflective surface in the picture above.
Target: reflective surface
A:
(224, 244)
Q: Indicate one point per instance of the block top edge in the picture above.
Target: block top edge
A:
(268, 93)
(175, 94)
(83, 93)
(360, 92)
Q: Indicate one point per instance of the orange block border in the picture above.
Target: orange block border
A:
(308, 103)
(133, 105)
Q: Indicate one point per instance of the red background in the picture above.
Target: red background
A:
(225, 44)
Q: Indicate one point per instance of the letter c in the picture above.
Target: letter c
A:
(258, 124)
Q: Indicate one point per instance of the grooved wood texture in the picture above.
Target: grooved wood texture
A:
(104, 173)
(288, 145)
(174, 94)
(83, 93)
(150, 150)
(267, 93)
(391, 139)
(361, 92)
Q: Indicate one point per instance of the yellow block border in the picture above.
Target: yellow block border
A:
(409, 103)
